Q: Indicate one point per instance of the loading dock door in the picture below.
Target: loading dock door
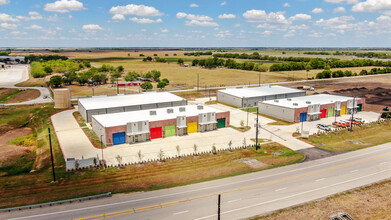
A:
(169, 130)
(221, 123)
(323, 113)
(192, 127)
(359, 109)
(303, 116)
(343, 110)
(156, 132)
(330, 112)
(119, 138)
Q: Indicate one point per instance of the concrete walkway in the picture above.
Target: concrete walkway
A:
(73, 141)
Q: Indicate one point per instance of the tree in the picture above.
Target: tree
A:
(115, 76)
(155, 55)
(55, 81)
(230, 144)
(180, 61)
(120, 69)
(178, 149)
(166, 81)
(131, 76)
(161, 155)
(48, 69)
(161, 85)
(155, 75)
(195, 147)
(140, 155)
(147, 85)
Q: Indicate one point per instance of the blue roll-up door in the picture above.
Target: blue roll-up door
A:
(303, 116)
(119, 138)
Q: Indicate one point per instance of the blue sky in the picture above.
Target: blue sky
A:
(195, 23)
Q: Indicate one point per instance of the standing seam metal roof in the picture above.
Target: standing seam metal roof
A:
(259, 91)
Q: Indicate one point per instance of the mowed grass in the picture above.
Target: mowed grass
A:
(34, 187)
(370, 202)
(361, 137)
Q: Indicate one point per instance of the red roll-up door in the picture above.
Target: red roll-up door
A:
(156, 132)
(323, 113)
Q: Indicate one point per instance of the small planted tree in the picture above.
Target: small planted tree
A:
(241, 123)
(195, 147)
(119, 159)
(140, 155)
(77, 164)
(229, 144)
(178, 149)
(161, 155)
(214, 149)
(244, 142)
(161, 85)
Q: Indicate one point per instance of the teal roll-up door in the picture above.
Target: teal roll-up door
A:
(119, 138)
(221, 123)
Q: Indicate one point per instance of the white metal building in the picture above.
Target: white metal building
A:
(144, 125)
(249, 97)
(310, 108)
(125, 103)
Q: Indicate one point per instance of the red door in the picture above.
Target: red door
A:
(323, 113)
(156, 132)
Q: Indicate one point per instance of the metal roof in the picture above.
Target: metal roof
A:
(264, 90)
(102, 102)
(305, 101)
(122, 118)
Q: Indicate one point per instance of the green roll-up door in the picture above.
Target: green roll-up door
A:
(169, 130)
(330, 112)
(359, 109)
(221, 123)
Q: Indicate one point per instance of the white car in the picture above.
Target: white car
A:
(323, 127)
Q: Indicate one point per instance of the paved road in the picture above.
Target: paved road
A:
(18, 73)
(242, 196)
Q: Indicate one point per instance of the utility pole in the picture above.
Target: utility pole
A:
(198, 82)
(101, 146)
(117, 87)
(51, 154)
(218, 207)
(256, 131)
(351, 119)
(259, 80)
(247, 117)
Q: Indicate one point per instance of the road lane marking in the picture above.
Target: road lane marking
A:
(320, 179)
(200, 189)
(234, 200)
(183, 212)
(353, 171)
(279, 189)
(142, 209)
(294, 195)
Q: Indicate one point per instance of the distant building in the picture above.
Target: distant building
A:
(310, 108)
(12, 59)
(2, 65)
(249, 97)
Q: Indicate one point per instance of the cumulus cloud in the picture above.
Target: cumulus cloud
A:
(317, 10)
(339, 10)
(342, 1)
(8, 26)
(18, 33)
(34, 27)
(223, 3)
(223, 34)
(291, 33)
(372, 6)
(35, 15)
(227, 16)
(286, 5)
(267, 33)
(300, 17)
(181, 15)
(340, 24)
(4, 2)
(193, 5)
(7, 18)
(64, 6)
(91, 28)
(164, 30)
(201, 23)
(268, 19)
(299, 27)
(145, 20)
(136, 10)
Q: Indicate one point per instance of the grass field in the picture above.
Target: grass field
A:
(33, 188)
(90, 134)
(370, 202)
(361, 137)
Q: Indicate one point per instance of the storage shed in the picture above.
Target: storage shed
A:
(249, 97)
(144, 125)
(311, 108)
(125, 103)
(62, 98)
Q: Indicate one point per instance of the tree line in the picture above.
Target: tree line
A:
(197, 54)
(44, 68)
(339, 73)
(211, 63)
(257, 56)
(357, 54)
(33, 57)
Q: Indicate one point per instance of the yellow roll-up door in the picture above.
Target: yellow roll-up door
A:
(343, 110)
(192, 127)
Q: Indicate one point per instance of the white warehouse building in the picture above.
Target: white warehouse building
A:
(125, 103)
(249, 97)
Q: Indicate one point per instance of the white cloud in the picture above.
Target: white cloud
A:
(237, 25)
(223, 34)
(4, 2)
(201, 23)
(342, 1)
(132, 9)
(267, 33)
(35, 15)
(317, 10)
(260, 16)
(372, 6)
(299, 27)
(58, 28)
(291, 33)
(227, 16)
(18, 33)
(8, 26)
(193, 17)
(143, 30)
(223, 3)
(300, 17)
(164, 30)
(145, 20)
(339, 10)
(118, 17)
(7, 18)
(339, 24)
(193, 5)
(91, 28)
(34, 27)
(53, 18)
(64, 6)
(286, 5)
(70, 16)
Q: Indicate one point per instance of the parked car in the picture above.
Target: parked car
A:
(341, 124)
(347, 122)
(357, 120)
(386, 109)
(323, 127)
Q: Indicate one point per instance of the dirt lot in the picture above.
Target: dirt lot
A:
(9, 151)
(27, 95)
(376, 89)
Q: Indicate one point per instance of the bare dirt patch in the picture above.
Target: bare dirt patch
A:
(6, 92)
(9, 151)
(253, 163)
(27, 95)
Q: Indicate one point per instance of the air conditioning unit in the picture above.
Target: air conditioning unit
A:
(308, 102)
(200, 107)
(289, 99)
(182, 109)
(295, 104)
(152, 112)
(276, 100)
(170, 110)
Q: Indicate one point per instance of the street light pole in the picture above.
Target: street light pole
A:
(101, 146)
(256, 134)
(51, 154)
(351, 119)
(259, 80)
(117, 87)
